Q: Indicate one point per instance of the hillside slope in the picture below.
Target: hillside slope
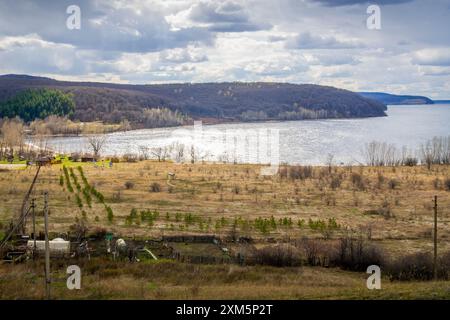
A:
(223, 101)
(393, 99)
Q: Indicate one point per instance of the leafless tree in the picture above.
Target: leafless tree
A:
(96, 143)
(144, 152)
(178, 152)
(435, 151)
(161, 153)
(381, 154)
(12, 132)
(193, 153)
(329, 161)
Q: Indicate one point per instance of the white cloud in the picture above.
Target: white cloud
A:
(249, 40)
(432, 57)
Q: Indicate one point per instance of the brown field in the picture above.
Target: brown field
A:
(390, 206)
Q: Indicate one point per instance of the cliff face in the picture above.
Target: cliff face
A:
(223, 101)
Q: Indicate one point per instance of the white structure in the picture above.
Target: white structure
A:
(58, 247)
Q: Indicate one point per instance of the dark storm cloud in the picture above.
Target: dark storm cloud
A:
(225, 17)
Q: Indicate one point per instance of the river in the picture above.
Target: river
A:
(305, 142)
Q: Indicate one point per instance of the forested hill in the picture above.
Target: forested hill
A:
(222, 101)
(393, 99)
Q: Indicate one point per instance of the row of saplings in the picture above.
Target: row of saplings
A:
(354, 254)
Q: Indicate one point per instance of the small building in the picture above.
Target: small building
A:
(88, 159)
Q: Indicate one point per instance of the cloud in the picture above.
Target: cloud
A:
(105, 25)
(337, 3)
(182, 55)
(232, 40)
(308, 41)
(335, 59)
(435, 71)
(225, 16)
(432, 57)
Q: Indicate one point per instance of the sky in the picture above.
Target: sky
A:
(324, 42)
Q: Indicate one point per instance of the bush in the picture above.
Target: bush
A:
(300, 172)
(129, 185)
(316, 252)
(410, 162)
(358, 181)
(447, 184)
(418, 266)
(356, 254)
(393, 183)
(155, 187)
(279, 256)
(335, 182)
(130, 157)
(110, 214)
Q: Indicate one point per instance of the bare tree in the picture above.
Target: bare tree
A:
(329, 161)
(435, 151)
(158, 153)
(193, 154)
(13, 134)
(96, 143)
(178, 152)
(144, 152)
(381, 154)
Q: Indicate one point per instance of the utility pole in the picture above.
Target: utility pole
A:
(435, 240)
(34, 227)
(47, 248)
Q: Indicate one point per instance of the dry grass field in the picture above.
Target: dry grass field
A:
(389, 206)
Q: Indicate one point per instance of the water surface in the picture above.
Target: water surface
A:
(306, 142)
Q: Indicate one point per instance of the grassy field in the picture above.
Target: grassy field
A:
(172, 280)
(390, 206)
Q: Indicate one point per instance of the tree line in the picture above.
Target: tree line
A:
(37, 103)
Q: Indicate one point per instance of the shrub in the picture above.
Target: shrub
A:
(300, 172)
(418, 266)
(356, 254)
(393, 183)
(66, 174)
(316, 252)
(236, 189)
(447, 184)
(61, 181)
(87, 196)
(130, 157)
(410, 162)
(79, 202)
(335, 182)
(110, 214)
(129, 185)
(155, 187)
(358, 181)
(279, 256)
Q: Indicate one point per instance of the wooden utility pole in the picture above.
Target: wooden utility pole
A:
(435, 240)
(34, 227)
(47, 249)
